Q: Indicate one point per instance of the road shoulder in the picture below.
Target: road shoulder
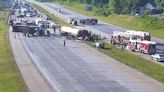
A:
(33, 79)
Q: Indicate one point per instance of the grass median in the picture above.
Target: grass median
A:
(10, 77)
(147, 67)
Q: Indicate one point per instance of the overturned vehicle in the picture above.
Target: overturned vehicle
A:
(27, 30)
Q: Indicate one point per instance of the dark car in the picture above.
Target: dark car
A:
(20, 16)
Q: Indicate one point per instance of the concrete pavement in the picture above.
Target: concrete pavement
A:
(80, 68)
(33, 79)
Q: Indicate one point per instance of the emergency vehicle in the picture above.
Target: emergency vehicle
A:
(125, 37)
(135, 41)
(138, 35)
(146, 47)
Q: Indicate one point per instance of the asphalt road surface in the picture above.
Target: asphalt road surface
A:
(80, 68)
(103, 28)
(33, 79)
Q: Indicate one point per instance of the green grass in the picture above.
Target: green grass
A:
(150, 24)
(80, 8)
(54, 18)
(10, 77)
(149, 68)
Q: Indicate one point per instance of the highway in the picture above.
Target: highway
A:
(81, 68)
(67, 71)
(102, 28)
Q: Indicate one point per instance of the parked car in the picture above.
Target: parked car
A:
(158, 57)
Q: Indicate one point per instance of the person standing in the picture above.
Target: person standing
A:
(24, 32)
(54, 30)
(28, 35)
(59, 28)
(48, 33)
(73, 37)
(64, 42)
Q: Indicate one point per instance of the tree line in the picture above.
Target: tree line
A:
(117, 6)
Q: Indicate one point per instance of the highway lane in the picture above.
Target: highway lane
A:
(68, 71)
(76, 68)
(102, 28)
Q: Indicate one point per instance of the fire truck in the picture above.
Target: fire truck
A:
(146, 47)
(138, 35)
(135, 41)
(125, 37)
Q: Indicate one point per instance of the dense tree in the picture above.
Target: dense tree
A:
(160, 3)
(113, 6)
(118, 6)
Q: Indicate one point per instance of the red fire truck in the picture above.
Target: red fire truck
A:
(138, 35)
(135, 41)
(146, 47)
(125, 37)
